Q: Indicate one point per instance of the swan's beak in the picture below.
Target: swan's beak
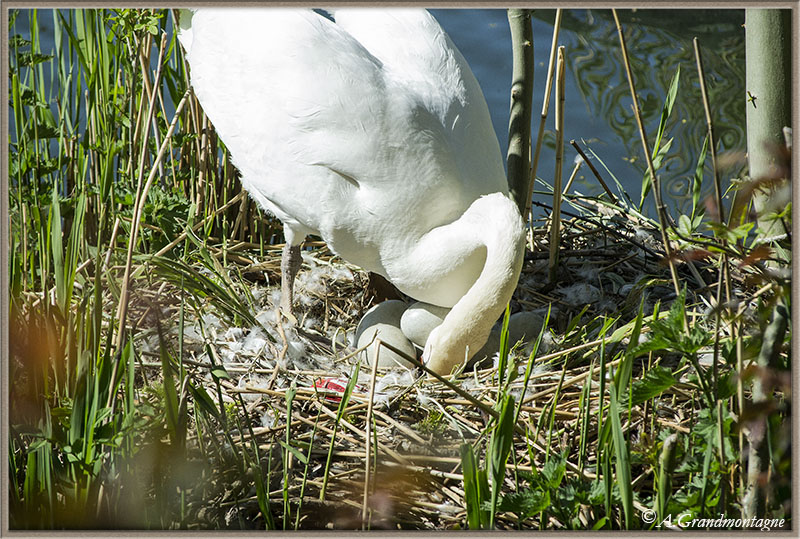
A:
(426, 354)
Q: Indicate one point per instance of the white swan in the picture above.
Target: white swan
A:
(371, 132)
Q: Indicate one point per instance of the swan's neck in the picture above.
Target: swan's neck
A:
(495, 222)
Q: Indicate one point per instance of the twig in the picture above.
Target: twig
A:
(572, 176)
(660, 208)
(711, 143)
(368, 445)
(138, 208)
(545, 107)
(594, 171)
(555, 215)
(724, 268)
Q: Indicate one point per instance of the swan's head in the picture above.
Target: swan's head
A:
(496, 220)
(446, 349)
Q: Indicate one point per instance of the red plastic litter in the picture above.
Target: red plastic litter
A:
(332, 388)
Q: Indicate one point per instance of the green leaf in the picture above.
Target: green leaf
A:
(662, 153)
(554, 470)
(666, 111)
(294, 451)
(29, 59)
(499, 449)
(476, 489)
(685, 225)
(524, 503)
(203, 399)
(57, 249)
(727, 385)
(171, 394)
(219, 373)
(653, 383)
(731, 235)
(503, 357)
(17, 41)
(668, 333)
(622, 461)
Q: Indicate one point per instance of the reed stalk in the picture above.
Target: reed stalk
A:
(597, 175)
(123, 303)
(519, 125)
(660, 207)
(572, 176)
(555, 216)
(543, 116)
(368, 438)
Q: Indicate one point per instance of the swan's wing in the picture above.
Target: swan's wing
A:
(416, 51)
(275, 81)
(370, 144)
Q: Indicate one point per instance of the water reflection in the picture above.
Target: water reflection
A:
(598, 105)
(659, 41)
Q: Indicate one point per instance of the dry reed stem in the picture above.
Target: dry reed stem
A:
(555, 216)
(368, 430)
(543, 116)
(724, 270)
(710, 129)
(141, 194)
(660, 208)
(594, 171)
(138, 208)
(572, 176)
(151, 93)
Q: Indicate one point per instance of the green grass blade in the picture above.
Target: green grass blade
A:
(531, 358)
(170, 393)
(57, 249)
(504, 348)
(666, 111)
(666, 468)
(348, 390)
(622, 461)
(287, 450)
(499, 448)
(697, 180)
(476, 490)
(622, 378)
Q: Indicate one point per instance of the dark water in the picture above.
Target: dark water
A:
(598, 104)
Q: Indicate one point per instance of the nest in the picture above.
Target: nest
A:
(395, 450)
